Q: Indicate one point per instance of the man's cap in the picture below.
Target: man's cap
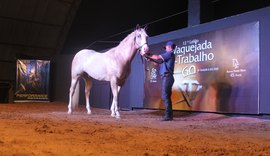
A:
(170, 43)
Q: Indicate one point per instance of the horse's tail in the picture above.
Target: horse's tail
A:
(75, 99)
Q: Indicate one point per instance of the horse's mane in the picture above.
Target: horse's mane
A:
(122, 42)
(127, 37)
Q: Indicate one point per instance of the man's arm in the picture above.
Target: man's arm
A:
(154, 58)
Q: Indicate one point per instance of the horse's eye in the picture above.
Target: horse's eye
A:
(139, 36)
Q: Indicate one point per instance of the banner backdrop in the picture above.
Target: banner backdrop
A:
(32, 80)
(217, 71)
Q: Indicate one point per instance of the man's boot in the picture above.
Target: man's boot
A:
(168, 116)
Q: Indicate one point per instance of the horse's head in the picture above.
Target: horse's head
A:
(140, 40)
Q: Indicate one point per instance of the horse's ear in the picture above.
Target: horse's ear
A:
(138, 27)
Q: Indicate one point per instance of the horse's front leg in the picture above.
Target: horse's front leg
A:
(113, 114)
(114, 106)
(69, 103)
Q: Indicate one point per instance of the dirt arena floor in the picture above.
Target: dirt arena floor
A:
(28, 129)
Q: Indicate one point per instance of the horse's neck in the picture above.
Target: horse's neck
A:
(126, 49)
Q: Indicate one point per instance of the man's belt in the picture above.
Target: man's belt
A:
(165, 74)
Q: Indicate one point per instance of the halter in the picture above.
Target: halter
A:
(140, 47)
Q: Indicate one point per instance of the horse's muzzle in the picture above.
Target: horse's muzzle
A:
(144, 49)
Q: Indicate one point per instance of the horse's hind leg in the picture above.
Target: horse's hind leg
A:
(88, 85)
(73, 85)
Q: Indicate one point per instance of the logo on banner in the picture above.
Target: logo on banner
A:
(153, 75)
(236, 71)
(235, 63)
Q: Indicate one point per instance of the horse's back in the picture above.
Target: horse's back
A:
(93, 63)
(80, 59)
(85, 53)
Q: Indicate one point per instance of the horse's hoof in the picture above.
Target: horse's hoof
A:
(112, 115)
(69, 112)
(117, 115)
(89, 112)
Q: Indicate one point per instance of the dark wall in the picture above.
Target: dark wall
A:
(60, 77)
(264, 16)
(132, 92)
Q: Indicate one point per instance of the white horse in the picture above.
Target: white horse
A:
(113, 65)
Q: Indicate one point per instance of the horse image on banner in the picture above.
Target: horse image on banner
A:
(113, 65)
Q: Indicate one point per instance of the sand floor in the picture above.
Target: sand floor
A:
(46, 129)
